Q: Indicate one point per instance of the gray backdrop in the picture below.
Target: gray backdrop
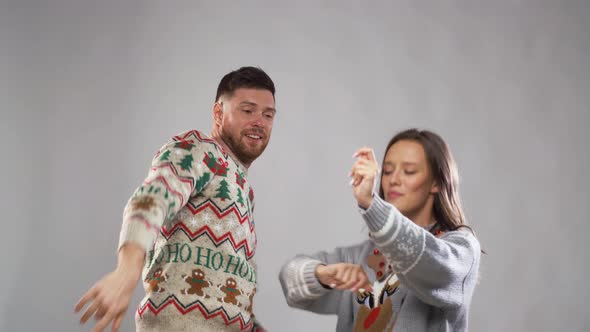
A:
(90, 90)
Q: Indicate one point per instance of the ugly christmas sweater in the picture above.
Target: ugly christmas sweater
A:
(193, 215)
(421, 282)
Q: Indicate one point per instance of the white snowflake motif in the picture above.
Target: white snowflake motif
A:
(200, 168)
(194, 221)
(218, 228)
(207, 217)
(184, 214)
(240, 232)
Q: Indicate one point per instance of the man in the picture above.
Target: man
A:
(188, 229)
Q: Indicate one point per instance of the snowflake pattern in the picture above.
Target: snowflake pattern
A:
(408, 244)
(194, 221)
(218, 228)
(207, 217)
(240, 232)
(184, 214)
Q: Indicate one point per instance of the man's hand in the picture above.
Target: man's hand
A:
(343, 276)
(109, 298)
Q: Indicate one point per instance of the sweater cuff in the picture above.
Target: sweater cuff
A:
(377, 214)
(311, 281)
(139, 230)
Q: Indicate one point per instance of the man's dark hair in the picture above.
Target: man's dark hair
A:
(245, 77)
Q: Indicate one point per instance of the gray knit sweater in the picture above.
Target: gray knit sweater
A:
(421, 282)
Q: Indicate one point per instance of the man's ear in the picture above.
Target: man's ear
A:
(218, 114)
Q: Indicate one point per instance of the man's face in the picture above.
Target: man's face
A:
(246, 120)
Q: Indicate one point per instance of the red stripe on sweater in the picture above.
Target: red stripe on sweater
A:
(199, 306)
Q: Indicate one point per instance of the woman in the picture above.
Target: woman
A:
(419, 267)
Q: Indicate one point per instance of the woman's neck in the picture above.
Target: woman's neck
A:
(425, 216)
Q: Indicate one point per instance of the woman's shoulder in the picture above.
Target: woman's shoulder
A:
(463, 236)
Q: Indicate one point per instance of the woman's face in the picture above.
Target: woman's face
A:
(406, 179)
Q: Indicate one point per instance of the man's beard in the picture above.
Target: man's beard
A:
(245, 153)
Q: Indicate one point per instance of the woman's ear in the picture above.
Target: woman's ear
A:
(435, 189)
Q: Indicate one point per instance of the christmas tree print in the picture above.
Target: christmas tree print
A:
(240, 179)
(202, 182)
(184, 144)
(218, 167)
(170, 214)
(187, 162)
(240, 198)
(165, 155)
(223, 190)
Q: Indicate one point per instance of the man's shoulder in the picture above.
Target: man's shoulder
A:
(193, 136)
(194, 140)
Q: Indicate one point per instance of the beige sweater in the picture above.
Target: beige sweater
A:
(193, 215)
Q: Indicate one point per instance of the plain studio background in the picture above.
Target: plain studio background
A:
(90, 90)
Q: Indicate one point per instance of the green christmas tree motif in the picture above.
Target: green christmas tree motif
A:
(240, 198)
(223, 190)
(165, 155)
(202, 182)
(187, 162)
(170, 213)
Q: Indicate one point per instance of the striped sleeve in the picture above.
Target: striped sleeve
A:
(177, 172)
(435, 269)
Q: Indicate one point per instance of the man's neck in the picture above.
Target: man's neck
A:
(219, 140)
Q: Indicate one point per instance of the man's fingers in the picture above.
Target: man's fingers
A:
(89, 311)
(117, 323)
(100, 313)
(103, 323)
(85, 298)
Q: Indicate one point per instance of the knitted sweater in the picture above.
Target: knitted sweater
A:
(193, 215)
(421, 282)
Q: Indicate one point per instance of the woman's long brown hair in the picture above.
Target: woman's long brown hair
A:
(448, 212)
